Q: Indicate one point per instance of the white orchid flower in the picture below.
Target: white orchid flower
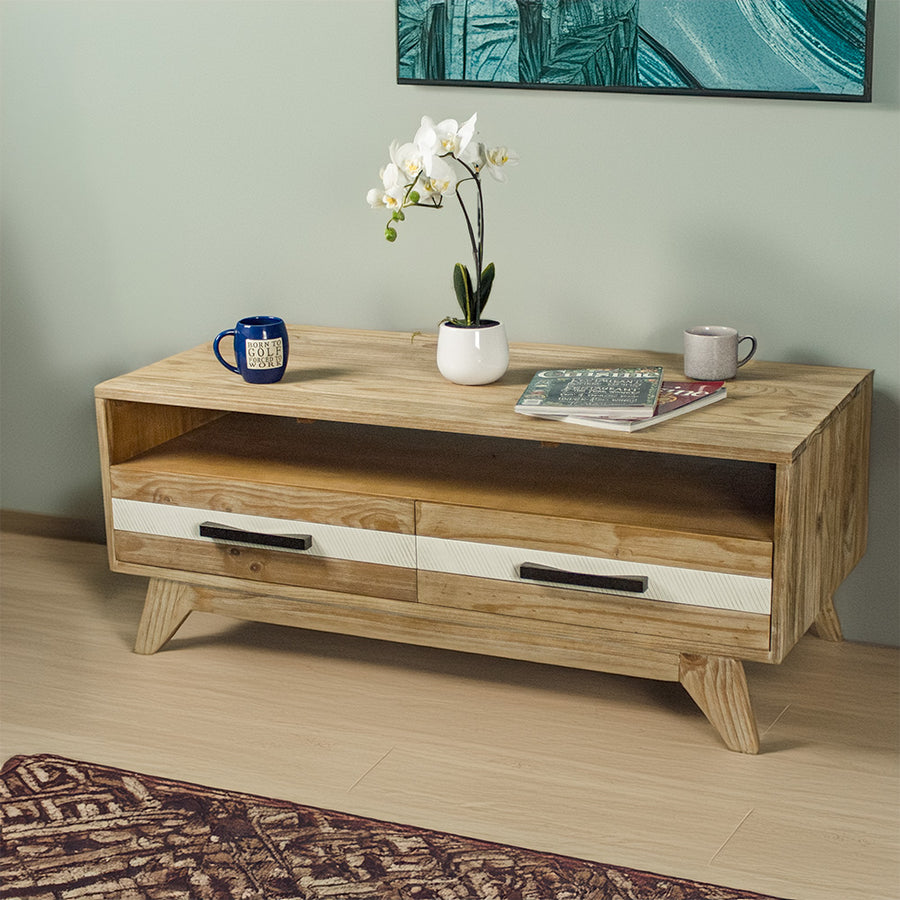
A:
(453, 137)
(498, 157)
(393, 189)
(378, 199)
(375, 198)
(426, 142)
(448, 136)
(474, 156)
(442, 179)
(391, 177)
(407, 158)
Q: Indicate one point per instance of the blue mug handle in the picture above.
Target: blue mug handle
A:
(219, 337)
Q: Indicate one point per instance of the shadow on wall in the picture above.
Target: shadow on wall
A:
(879, 617)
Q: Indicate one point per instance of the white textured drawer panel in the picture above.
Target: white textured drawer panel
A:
(666, 584)
(331, 541)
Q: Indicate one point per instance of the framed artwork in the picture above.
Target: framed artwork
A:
(795, 49)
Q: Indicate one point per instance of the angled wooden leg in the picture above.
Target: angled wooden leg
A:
(166, 607)
(718, 686)
(827, 624)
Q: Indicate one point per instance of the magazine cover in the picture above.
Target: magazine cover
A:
(626, 392)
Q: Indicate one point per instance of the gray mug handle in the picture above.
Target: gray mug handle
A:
(749, 356)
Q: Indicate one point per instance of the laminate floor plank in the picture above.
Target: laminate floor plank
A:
(580, 763)
(594, 811)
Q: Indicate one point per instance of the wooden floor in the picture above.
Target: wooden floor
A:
(584, 764)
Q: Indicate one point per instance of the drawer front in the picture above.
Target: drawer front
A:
(339, 558)
(662, 584)
(223, 491)
(717, 548)
(691, 629)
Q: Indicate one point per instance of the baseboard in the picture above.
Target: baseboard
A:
(61, 527)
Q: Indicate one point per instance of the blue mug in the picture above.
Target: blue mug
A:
(260, 349)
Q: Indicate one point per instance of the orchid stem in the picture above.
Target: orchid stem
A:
(477, 244)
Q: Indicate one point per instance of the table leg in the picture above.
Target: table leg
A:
(167, 605)
(718, 686)
(827, 624)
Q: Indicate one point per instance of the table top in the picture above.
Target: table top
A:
(391, 379)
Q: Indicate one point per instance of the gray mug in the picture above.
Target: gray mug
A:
(711, 352)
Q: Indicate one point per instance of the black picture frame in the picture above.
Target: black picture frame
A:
(782, 49)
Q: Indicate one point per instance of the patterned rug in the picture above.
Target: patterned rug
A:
(80, 830)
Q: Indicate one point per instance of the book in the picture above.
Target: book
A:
(625, 392)
(675, 399)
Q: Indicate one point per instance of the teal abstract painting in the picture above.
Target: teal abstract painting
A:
(809, 49)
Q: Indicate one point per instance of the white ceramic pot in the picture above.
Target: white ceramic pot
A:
(472, 355)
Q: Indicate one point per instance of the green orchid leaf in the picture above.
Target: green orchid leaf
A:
(484, 288)
(462, 284)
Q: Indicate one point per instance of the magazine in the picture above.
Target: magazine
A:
(629, 392)
(675, 399)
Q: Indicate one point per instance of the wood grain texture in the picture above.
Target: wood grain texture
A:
(365, 377)
(556, 643)
(131, 428)
(421, 625)
(267, 566)
(821, 520)
(601, 536)
(827, 625)
(285, 501)
(640, 622)
(770, 482)
(718, 686)
(167, 605)
(453, 629)
(389, 462)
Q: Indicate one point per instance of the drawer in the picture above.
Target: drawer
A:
(722, 547)
(721, 598)
(262, 548)
(603, 616)
(642, 581)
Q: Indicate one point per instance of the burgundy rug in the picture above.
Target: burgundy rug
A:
(80, 830)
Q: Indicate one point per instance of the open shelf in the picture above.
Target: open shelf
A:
(678, 493)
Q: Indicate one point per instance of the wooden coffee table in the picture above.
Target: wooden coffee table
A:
(364, 494)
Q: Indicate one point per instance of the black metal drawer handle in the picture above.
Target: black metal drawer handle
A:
(535, 572)
(227, 533)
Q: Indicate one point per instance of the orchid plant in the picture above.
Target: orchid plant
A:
(422, 172)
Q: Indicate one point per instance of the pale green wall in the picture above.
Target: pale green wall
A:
(170, 166)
